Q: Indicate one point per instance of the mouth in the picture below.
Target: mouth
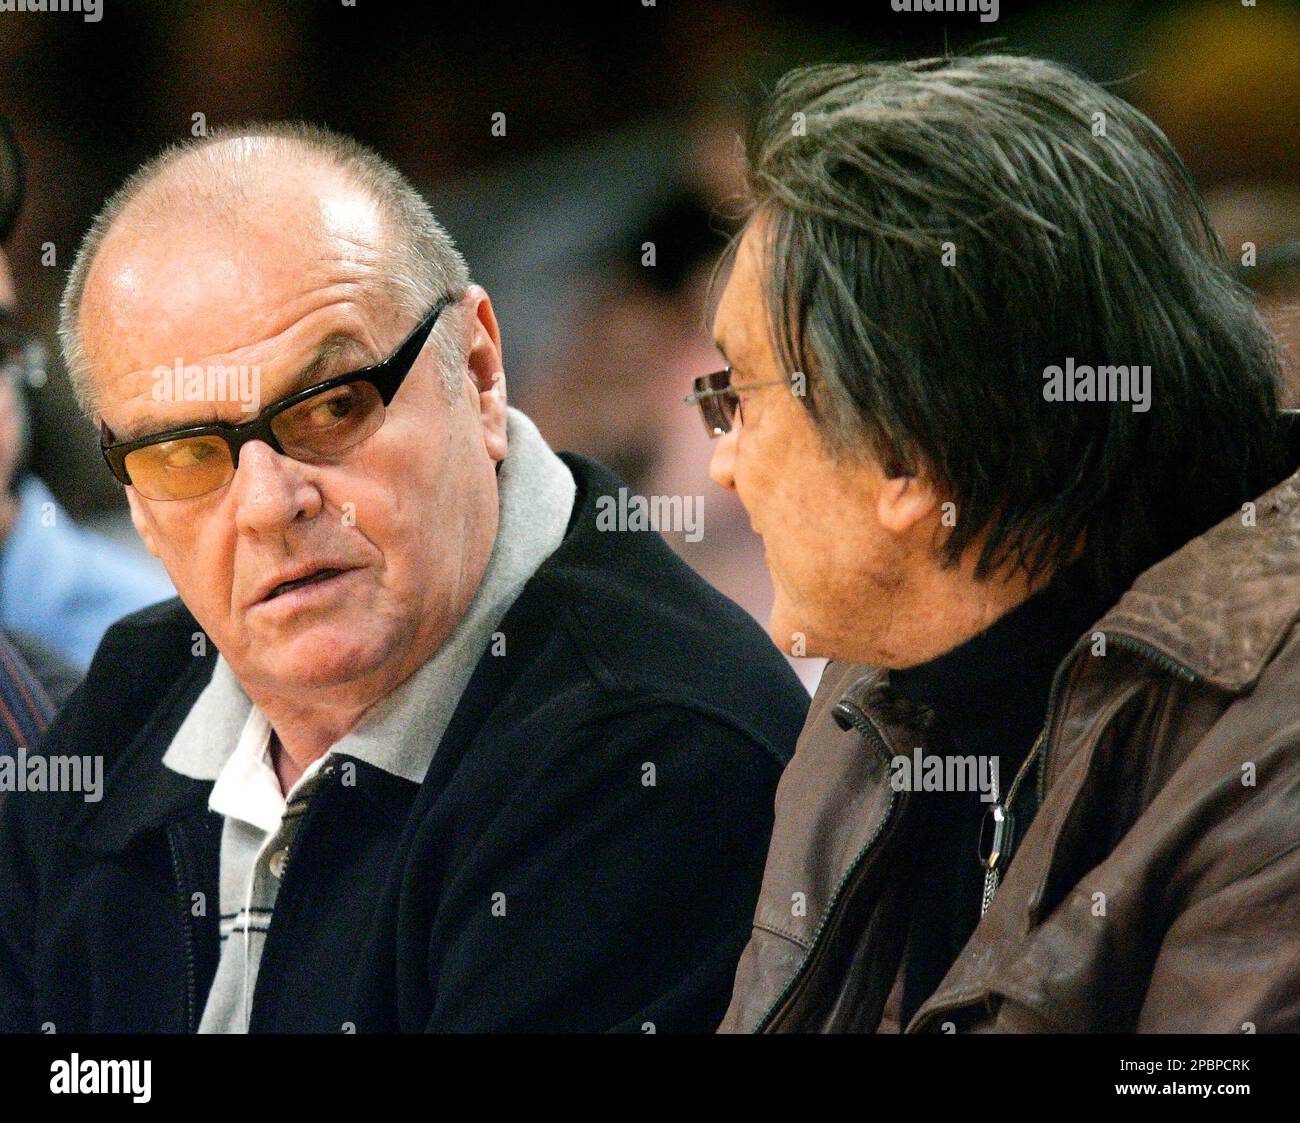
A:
(315, 577)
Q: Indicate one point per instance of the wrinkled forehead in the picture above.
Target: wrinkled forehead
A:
(164, 292)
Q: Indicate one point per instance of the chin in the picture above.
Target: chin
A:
(792, 635)
(328, 654)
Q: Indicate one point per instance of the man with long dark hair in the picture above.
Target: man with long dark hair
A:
(1008, 428)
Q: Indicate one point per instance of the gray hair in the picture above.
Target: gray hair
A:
(424, 263)
(941, 233)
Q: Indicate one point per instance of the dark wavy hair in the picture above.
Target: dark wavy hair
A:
(943, 231)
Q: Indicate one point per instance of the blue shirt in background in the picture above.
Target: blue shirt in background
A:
(65, 584)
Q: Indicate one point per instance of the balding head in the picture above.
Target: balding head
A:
(295, 184)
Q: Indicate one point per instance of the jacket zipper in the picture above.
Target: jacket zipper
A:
(1001, 854)
(1002, 818)
(1042, 749)
(1158, 657)
(187, 934)
(864, 725)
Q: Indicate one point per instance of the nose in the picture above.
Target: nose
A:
(722, 468)
(270, 491)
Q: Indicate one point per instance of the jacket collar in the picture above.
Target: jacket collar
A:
(113, 823)
(143, 796)
(1222, 605)
(1219, 608)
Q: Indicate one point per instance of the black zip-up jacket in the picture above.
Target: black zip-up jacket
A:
(628, 889)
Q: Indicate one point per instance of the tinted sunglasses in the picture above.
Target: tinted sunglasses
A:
(719, 401)
(314, 425)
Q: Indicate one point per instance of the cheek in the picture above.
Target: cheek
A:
(777, 509)
(771, 482)
(199, 557)
(407, 497)
(814, 534)
(794, 555)
(367, 517)
(757, 471)
(397, 466)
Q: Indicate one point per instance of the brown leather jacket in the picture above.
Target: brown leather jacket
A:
(1158, 886)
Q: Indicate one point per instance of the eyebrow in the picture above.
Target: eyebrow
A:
(330, 348)
(316, 370)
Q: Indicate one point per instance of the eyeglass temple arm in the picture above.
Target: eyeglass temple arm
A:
(717, 391)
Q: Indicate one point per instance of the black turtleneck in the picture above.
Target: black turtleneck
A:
(989, 696)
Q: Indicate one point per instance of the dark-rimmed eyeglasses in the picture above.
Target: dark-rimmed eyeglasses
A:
(314, 425)
(719, 401)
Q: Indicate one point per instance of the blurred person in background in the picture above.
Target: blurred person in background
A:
(1048, 781)
(25, 709)
(440, 750)
(25, 706)
(61, 585)
(640, 333)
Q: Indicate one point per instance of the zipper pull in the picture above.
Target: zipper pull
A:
(997, 835)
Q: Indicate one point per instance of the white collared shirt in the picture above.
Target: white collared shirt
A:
(261, 827)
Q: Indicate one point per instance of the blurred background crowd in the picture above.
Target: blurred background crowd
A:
(620, 129)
